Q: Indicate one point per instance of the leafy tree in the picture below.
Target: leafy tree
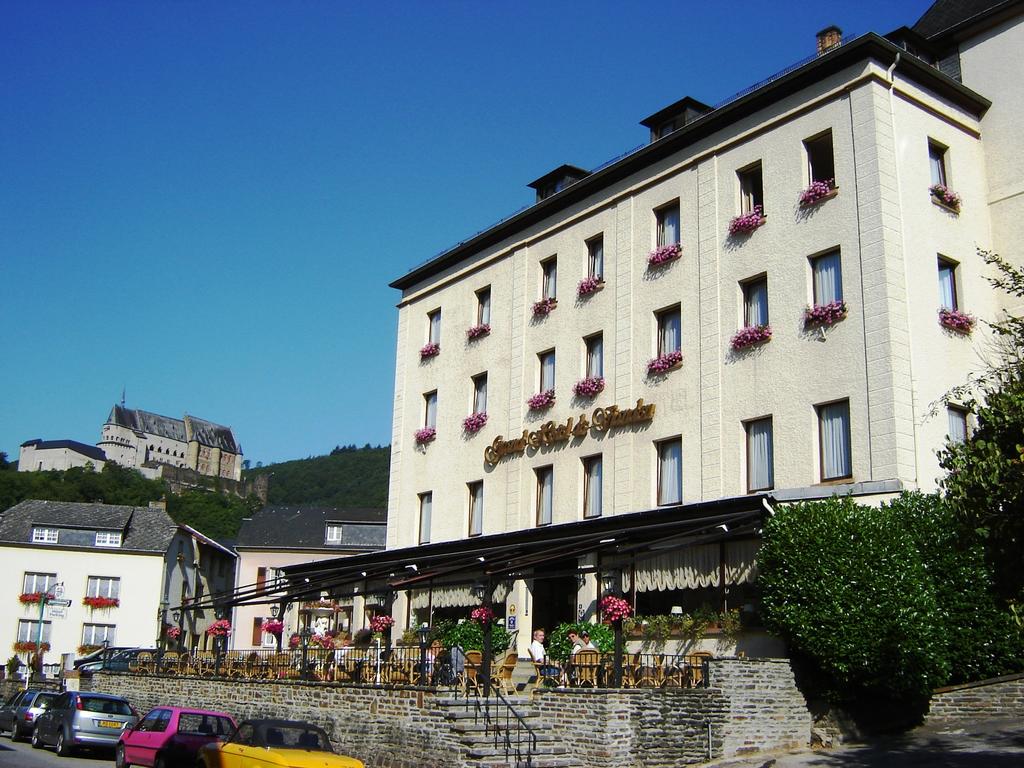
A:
(4, 463)
(218, 515)
(348, 477)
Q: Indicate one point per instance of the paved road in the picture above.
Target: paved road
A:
(21, 755)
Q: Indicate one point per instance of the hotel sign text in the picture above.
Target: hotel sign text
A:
(552, 433)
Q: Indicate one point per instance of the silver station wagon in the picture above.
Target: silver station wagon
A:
(77, 719)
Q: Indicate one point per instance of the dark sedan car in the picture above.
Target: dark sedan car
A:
(18, 715)
(76, 719)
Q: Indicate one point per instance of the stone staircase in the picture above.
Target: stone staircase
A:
(482, 749)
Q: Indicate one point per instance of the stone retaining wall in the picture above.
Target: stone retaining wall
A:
(997, 697)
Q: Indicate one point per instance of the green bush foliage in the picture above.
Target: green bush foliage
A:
(349, 477)
(470, 636)
(559, 646)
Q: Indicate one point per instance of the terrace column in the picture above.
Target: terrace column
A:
(587, 589)
(517, 605)
(358, 613)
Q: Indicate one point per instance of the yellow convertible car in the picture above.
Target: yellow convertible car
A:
(275, 744)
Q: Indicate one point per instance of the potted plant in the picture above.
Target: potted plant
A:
(945, 197)
(818, 191)
(750, 335)
(477, 331)
(541, 400)
(747, 222)
(664, 254)
(544, 307)
(825, 314)
(589, 285)
(30, 598)
(431, 349)
(474, 422)
(425, 435)
(591, 386)
(957, 321)
(665, 363)
(99, 603)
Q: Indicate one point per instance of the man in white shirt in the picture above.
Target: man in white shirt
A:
(548, 670)
(537, 651)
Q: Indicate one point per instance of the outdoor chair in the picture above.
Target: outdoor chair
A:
(648, 672)
(548, 673)
(142, 664)
(586, 665)
(169, 663)
(234, 664)
(695, 664)
(474, 661)
(504, 678)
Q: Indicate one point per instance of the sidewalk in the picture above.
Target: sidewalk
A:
(985, 743)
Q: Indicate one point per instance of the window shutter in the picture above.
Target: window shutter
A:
(257, 630)
(261, 577)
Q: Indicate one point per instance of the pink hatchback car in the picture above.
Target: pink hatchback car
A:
(171, 736)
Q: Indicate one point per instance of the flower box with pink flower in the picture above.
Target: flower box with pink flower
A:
(425, 435)
(957, 321)
(477, 331)
(944, 197)
(818, 191)
(825, 314)
(665, 363)
(664, 255)
(474, 422)
(427, 351)
(591, 386)
(589, 286)
(747, 222)
(752, 334)
(544, 307)
(541, 400)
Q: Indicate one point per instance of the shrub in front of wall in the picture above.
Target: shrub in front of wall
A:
(469, 635)
(559, 645)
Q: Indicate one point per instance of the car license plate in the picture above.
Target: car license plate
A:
(110, 724)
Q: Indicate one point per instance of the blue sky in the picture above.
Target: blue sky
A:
(203, 203)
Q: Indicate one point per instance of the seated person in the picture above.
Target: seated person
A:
(546, 667)
(585, 643)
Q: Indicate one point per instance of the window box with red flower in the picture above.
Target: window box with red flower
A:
(30, 598)
(944, 197)
(614, 609)
(219, 628)
(29, 646)
(100, 603)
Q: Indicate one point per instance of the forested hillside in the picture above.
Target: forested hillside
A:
(348, 477)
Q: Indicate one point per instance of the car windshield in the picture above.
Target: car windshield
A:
(105, 706)
(308, 737)
(196, 724)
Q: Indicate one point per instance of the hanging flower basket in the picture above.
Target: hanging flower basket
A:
(664, 363)
(664, 255)
(474, 422)
(477, 331)
(382, 622)
(28, 598)
(752, 334)
(425, 435)
(172, 632)
(322, 641)
(28, 646)
(101, 602)
(818, 191)
(614, 609)
(589, 285)
(482, 615)
(825, 314)
(543, 307)
(273, 627)
(591, 386)
(945, 197)
(958, 321)
(219, 628)
(294, 640)
(433, 349)
(541, 400)
(748, 222)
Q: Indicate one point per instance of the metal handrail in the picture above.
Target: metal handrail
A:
(503, 736)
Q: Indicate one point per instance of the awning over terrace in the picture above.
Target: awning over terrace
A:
(663, 547)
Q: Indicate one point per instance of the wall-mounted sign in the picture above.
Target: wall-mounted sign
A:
(553, 433)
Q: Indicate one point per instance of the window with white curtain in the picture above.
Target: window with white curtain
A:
(760, 455)
(593, 474)
(957, 424)
(430, 409)
(97, 634)
(38, 582)
(549, 278)
(670, 471)
(751, 188)
(595, 355)
(827, 278)
(434, 326)
(947, 284)
(27, 630)
(426, 505)
(480, 393)
(545, 494)
(103, 586)
(937, 162)
(667, 218)
(547, 370)
(476, 508)
(755, 302)
(595, 257)
(483, 306)
(669, 336)
(834, 439)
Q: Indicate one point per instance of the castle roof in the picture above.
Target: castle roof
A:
(183, 430)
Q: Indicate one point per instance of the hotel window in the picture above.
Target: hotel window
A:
(333, 533)
(751, 188)
(957, 424)
(595, 257)
(937, 162)
(549, 278)
(108, 538)
(38, 582)
(430, 409)
(827, 278)
(669, 333)
(670, 471)
(545, 494)
(547, 370)
(426, 505)
(834, 440)
(667, 218)
(259, 637)
(97, 634)
(483, 306)
(480, 393)
(593, 474)
(947, 284)
(103, 586)
(44, 535)
(434, 327)
(760, 455)
(595, 356)
(476, 508)
(27, 630)
(755, 302)
(821, 165)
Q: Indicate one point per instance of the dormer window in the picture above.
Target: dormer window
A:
(108, 539)
(552, 183)
(44, 535)
(333, 533)
(666, 128)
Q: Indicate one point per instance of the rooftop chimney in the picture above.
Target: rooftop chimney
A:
(829, 38)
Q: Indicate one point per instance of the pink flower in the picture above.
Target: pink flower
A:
(817, 191)
(272, 626)
(543, 307)
(614, 608)
(752, 334)
(425, 435)
(482, 615)
(955, 320)
(589, 285)
(381, 622)
(825, 314)
(748, 222)
(946, 196)
(475, 422)
(478, 330)
(664, 363)
(219, 628)
(589, 387)
(541, 400)
(664, 254)
(433, 349)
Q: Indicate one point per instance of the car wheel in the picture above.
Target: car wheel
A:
(119, 760)
(63, 748)
(14, 732)
(161, 762)
(37, 740)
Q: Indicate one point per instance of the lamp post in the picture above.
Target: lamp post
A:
(486, 591)
(177, 620)
(305, 634)
(161, 639)
(38, 666)
(275, 611)
(423, 632)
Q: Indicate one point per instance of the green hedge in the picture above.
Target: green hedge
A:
(559, 645)
(470, 636)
